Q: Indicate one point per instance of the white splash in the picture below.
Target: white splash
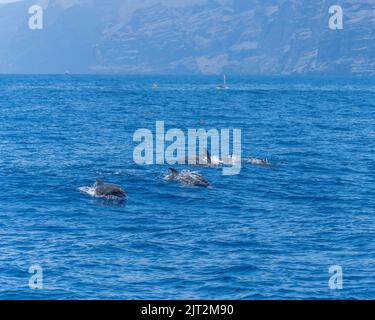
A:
(88, 190)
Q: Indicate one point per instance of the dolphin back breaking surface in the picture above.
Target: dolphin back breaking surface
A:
(187, 177)
(103, 190)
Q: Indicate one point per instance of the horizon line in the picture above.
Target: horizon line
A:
(295, 75)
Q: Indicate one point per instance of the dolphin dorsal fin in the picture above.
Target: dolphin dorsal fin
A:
(208, 156)
(99, 182)
(173, 171)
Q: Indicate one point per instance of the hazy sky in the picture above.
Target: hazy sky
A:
(8, 1)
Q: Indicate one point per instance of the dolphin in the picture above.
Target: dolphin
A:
(208, 160)
(255, 161)
(108, 190)
(201, 160)
(187, 177)
(259, 162)
(208, 157)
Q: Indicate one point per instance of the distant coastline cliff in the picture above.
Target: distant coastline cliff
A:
(257, 37)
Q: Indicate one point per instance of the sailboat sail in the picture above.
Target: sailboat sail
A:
(224, 85)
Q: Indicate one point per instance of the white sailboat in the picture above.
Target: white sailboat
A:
(224, 85)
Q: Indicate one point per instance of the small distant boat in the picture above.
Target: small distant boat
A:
(154, 85)
(224, 85)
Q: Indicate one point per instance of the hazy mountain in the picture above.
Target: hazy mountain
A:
(188, 36)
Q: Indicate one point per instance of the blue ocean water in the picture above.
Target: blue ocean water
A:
(263, 234)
